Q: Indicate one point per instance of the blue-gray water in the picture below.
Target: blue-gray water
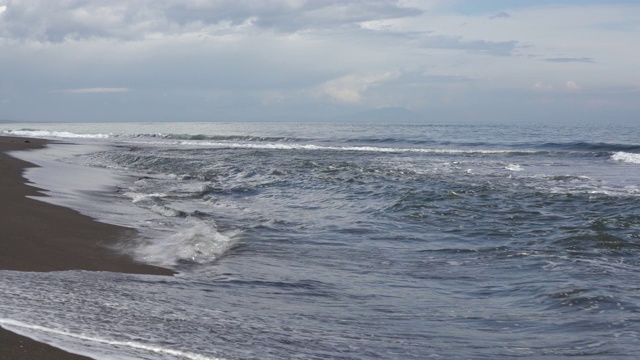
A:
(350, 242)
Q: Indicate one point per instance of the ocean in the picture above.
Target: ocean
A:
(343, 241)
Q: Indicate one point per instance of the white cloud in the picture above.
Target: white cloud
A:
(351, 88)
(542, 86)
(572, 85)
(3, 8)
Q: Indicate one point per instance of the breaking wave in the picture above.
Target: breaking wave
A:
(196, 242)
(54, 134)
(626, 157)
(228, 137)
(312, 147)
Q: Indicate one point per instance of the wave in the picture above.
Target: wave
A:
(197, 242)
(626, 157)
(55, 134)
(298, 143)
(26, 330)
(247, 138)
(621, 152)
(313, 147)
(514, 167)
(589, 146)
(153, 203)
(67, 134)
(580, 146)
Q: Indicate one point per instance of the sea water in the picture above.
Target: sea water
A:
(343, 241)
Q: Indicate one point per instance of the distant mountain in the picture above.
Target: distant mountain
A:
(386, 115)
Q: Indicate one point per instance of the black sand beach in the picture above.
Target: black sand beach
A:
(37, 236)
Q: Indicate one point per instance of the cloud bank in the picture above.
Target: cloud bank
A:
(218, 60)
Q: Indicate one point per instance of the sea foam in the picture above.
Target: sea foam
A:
(28, 330)
(56, 134)
(626, 157)
(514, 167)
(197, 242)
(313, 147)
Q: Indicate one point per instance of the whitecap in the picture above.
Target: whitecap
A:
(626, 157)
(138, 197)
(55, 134)
(514, 167)
(313, 147)
(197, 242)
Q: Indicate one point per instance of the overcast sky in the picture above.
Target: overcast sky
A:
(193, 60)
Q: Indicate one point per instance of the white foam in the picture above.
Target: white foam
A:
(54, 134)
(68, 184)
(197, 242)
(626, 157)
(25, 329)
(514, 167)
(147, 201)
(138, 197)
(165, 211)
(311, 147)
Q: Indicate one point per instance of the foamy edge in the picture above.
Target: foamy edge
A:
(23, 329)
(622, 156)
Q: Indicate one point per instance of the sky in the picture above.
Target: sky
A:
(441, 61)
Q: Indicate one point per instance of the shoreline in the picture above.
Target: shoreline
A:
(38, 236)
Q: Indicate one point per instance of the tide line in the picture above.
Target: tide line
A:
(11, 324)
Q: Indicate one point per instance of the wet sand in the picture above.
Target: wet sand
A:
(37, 236)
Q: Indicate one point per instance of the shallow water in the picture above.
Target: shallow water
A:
(348, 241)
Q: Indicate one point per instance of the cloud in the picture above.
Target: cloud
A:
(241, 59)
(542, 86)
(569, 59)
(351, 88)
(57, 21)
(290, 16)
(96, 90)
(445, 79)
(501, 14)
(572, 86)
(496, 48)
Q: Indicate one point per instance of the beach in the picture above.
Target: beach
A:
(37, 236)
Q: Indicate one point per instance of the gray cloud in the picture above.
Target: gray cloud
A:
(496, 48)
(501, 14)
(55, 21)
(109, 60)
(285, 17)
(570, 59)
(421, 78)
(445, 79)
